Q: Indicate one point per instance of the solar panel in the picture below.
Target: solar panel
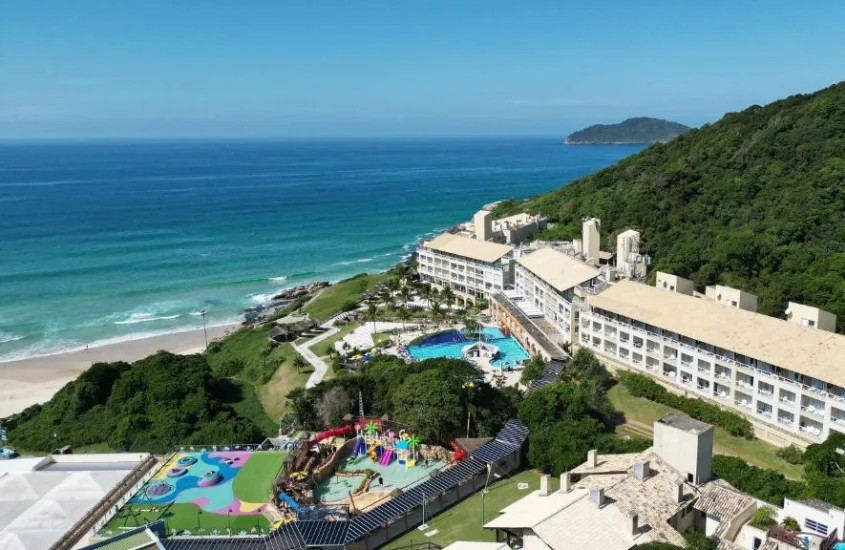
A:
(323, 532)
(514, 433)
(287, 537)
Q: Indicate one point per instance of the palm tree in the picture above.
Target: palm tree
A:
(471, 326)
(392, 284)
(405, 294)
(435, 309)
(388, 300)
(372, 314)
(404, 315)
(448, 297)
(425, 291)
(299, 363)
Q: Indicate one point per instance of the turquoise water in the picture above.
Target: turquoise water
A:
(510, 351)
(103, 242)
(393, 475)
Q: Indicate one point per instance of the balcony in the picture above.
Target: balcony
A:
(722, 396)
(785, 401)
(786, 421)
(686, 381)
(670, 356)
(764, 413)
(811, 430)
(812, 411)
(653, 351)
(745, 404)
(765, 392)
(837, 419)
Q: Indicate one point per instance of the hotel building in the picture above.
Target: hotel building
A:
(786, 376)
(471, 268)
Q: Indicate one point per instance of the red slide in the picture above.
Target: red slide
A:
(459, 453)
(345, 430)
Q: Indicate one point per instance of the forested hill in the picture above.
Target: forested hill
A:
(755, 201)
(633, 130)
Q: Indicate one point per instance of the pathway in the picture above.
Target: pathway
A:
(320, 366)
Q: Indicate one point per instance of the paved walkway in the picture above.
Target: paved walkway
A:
(320, 366)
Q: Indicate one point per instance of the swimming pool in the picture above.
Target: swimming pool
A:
(449, 345)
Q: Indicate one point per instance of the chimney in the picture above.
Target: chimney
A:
(565, 482)
(641, 470)
(597, 497)
(677, 488)
(545, 485)
(592, 458)
(635, 521)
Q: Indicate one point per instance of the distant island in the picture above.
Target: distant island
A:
(633, 130)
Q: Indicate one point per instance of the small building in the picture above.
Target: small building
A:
(810, 317)
(732, 297)
(673, 283)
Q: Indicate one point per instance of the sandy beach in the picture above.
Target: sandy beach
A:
(29, 381)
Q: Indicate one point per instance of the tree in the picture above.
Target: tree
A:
(586, 371)
(372, 314)
(405, 294)
(532, 370)
(333, 405)
(471, 326)
(764, 517)
(430, 403)
(448, 297)
(403, 315)
(299, 363)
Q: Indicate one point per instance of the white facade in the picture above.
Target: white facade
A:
(591, 239)
(556, 306)
(812, 317)
(673, 283)
(786, 407)
(732, 297)
(468, 276)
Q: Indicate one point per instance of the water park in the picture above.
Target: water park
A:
(344, 470)
(206, 492)
(333, 474)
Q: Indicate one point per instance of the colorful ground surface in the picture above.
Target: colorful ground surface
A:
(211, 491)
(393, 476)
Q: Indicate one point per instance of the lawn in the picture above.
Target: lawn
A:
(641, 413)
(255, 480)
(463, 521)
(273, 394)
(330, 300)
(322, 349)
(181, 517)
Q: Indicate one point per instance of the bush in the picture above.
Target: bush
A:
(349, 305)
(791, 454)
(230, 367)
(642, 386)
(791, 524)
(764, 517)
(769, 485)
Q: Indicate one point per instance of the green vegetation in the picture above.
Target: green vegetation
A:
(764, 517)
(693, 540)
(326, 347)
(463, 521)
(572, 416)
(791, 454)
(255, 480)
(765, 484)
(532, 371)
(433, 397)
(342, 296)
(632, 130)
(642, 386)
(153, 405)
(791, 524)
(640, 414)
(180, 517)
(752, 201)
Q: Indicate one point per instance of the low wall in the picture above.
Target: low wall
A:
(328, 469)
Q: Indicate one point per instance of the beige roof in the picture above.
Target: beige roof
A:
(483, 251)
(807, 351)
(560, 270)
(516, 219)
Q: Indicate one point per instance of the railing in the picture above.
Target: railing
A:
(786, 421)
(764, 414)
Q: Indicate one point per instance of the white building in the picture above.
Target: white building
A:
(509, 230)
(786, 378)
(470, 267)
(616, 502)
(547, 279)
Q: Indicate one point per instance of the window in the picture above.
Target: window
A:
(812, 525)
(690, 478)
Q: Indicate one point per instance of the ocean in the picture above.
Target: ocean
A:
(111, 241)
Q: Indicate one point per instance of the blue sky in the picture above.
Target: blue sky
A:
(190, 68)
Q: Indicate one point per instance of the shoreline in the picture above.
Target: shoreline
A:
(26, 382)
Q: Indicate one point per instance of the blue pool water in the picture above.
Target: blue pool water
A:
(839, 546)
(449, 345)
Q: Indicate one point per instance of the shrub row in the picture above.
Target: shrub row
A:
(765, 484)
(643, 386)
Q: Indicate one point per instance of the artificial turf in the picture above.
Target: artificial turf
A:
(254, 481)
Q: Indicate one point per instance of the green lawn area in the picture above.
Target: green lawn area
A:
(463, 521)
(641, 414)
(322, 349)
(255, 480)
(184, 517)
(330, 300)
(284, 379)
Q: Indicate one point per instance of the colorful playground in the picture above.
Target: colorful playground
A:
(332, 474)
(206, 493)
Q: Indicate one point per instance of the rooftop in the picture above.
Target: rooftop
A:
(683, 422)
(560, 270)
(483, 251)
(807, 351)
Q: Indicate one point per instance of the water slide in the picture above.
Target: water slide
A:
(345, 430)
(360, 447)
(289, 501)
(386, 457)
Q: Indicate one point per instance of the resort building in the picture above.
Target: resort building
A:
(511, 230)
(616, 502)
(785, 376)
(471, 268)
